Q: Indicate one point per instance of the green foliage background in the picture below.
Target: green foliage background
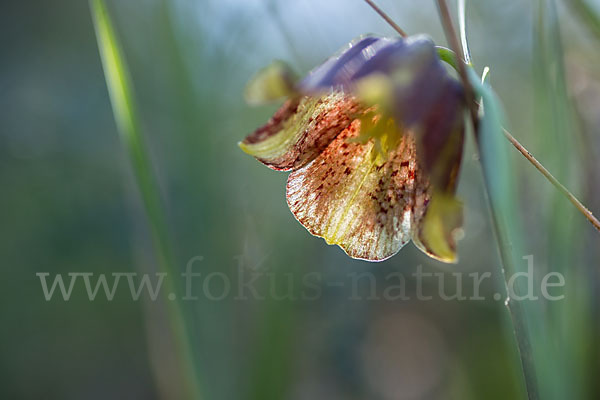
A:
(69, 203)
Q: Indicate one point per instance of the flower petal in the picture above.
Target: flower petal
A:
(437, 231)
(339, 70)
(441, 138)
(415, 74)
(300, 130)
(348, 199)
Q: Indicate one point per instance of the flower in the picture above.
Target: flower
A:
(373, 138)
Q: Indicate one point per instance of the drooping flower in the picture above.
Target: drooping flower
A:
(373, 138)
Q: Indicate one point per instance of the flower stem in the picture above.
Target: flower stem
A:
(386, 18)
(449, 57)
(467, 58)
(462, 25)
(516, 310)
(462, 67)
(507, 256)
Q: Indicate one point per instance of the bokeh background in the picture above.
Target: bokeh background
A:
(69, 203)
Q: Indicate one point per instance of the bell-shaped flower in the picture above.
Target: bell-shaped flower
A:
(373, 138)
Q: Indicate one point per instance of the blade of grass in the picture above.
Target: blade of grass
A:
(527, 319)
(499, 181)
(555, 182)
(499, 184)
(534, 332)
(562, 148)
(124, 109)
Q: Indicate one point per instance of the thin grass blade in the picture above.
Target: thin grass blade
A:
(124, 109)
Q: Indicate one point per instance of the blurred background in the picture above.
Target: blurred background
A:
(69, 203)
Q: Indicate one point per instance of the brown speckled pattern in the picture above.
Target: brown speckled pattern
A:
(369, 210)
(313, 131)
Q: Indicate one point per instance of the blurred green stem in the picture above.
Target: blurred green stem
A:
(449, 57)
(467, 58)
(123, 104)
(500, 212)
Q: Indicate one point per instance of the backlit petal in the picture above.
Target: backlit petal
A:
(300, 130)
(349, 199)
(437, 231)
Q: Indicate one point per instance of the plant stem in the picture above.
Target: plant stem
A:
(463, 31)
(587, 213)
(517, 312)
(462, 67)
(449, 57)
(467, 58)
(386, 18)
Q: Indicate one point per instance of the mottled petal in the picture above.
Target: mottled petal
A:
(350, 200)
(300, 130)
(440, 149)
(370, 191)
(437, 231)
